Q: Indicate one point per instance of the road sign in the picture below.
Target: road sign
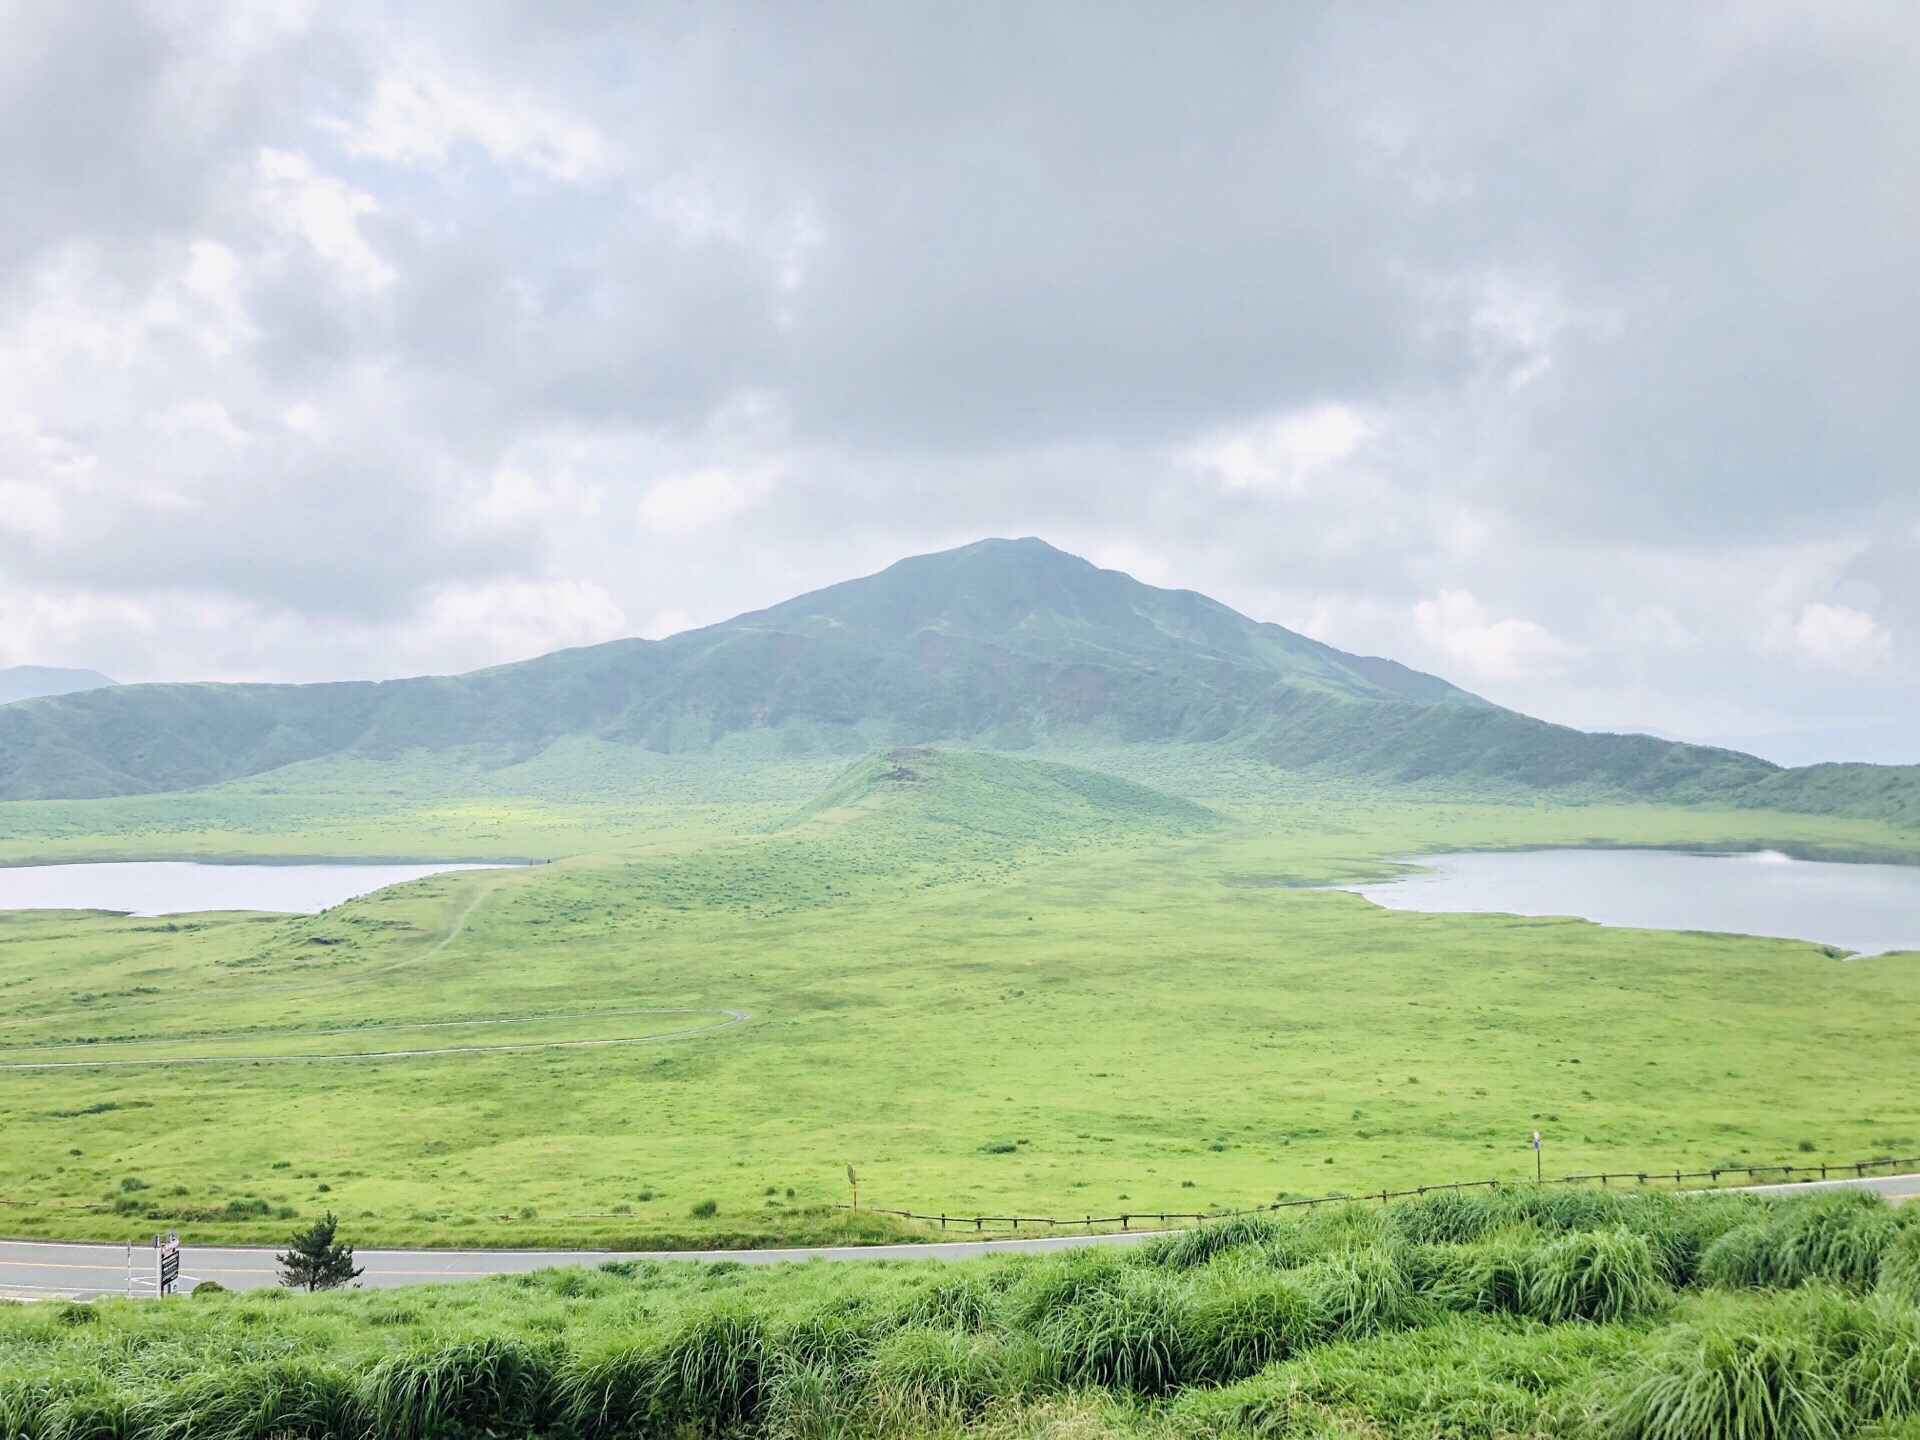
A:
(166, 1260)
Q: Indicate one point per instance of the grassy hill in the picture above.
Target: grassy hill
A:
(1002, 644)
(958, 793)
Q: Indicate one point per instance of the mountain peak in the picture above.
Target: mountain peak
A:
(1007, 643)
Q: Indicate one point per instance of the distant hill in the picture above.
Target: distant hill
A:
(29, 682)
(1005, 644)
(1003, 797)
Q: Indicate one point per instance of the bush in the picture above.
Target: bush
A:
(1038, 1289)
(1493, 1276)
(1451, 1217)
(1899, 1274)
(1234, 1329)
(1599, 1275)
(1732, 1384)
(1360, 1292)
(209, 1287)
(1200, 1244)
(705, 1210)
(959, 1302)
(494, 1383)
(938, 1371)
(705, 1372)
(295, 1395)
(1839, 1237)
(1126, 1336)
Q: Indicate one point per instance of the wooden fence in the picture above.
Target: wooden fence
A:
(1786, 1174)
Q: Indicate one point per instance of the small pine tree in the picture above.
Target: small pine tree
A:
(314, 1261)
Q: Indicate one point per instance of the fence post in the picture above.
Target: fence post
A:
(1123, 1222)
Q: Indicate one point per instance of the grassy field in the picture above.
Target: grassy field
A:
(1530, 1312)
(990, 983)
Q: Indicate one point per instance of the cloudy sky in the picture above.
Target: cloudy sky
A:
(1570, 351)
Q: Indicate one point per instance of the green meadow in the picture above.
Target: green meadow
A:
(994, 984)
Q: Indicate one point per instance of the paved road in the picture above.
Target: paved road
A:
(34, 1268)
(1894, 1187)
(31, 1268)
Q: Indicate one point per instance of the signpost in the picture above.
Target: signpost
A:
(166, 1261)
(1536, 1156)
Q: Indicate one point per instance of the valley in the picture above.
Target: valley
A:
(993, 982)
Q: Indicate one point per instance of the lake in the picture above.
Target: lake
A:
(177, 887)
(1865, 909)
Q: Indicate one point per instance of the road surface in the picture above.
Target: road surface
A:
(32, 1269)
(36, 1268)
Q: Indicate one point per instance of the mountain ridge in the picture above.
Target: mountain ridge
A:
(31, 682)
(1002, 643)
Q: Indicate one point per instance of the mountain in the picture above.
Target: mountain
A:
(1004, 643)
(29, 682)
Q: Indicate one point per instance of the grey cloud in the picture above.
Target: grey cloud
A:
(1626, 296)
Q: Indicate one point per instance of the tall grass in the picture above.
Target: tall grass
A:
(1484, 1315)
(1840, 1237)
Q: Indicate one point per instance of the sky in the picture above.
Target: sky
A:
(1571, 352)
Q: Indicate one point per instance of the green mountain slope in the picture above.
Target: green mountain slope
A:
(1004, 644)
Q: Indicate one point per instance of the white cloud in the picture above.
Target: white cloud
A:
(1285, 453)
(30, 510)
(520, 617)
(323, 211)
(1457, 626)
(418, 114)
(202, 420)
(667, 622)
(1837, 637)
(41, 626)
(702, 499)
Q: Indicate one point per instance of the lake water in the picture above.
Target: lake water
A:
(1865, 909)
(176, 887)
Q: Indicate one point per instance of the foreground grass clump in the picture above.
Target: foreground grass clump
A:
(1514, 1313)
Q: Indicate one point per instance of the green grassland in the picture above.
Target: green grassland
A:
(1527, 1312)
(994, 983)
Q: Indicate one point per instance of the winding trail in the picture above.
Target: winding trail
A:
(734, 1017)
